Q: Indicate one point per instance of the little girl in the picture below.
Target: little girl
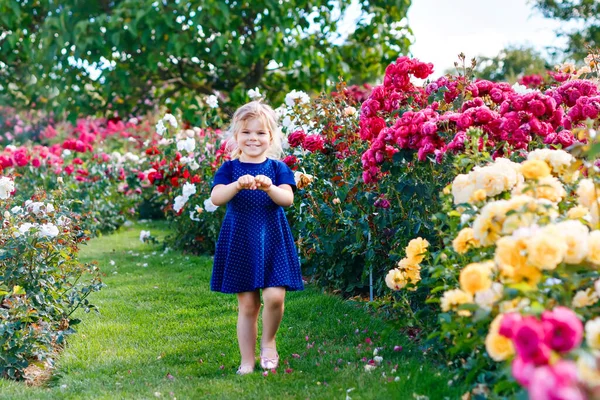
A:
(255, 249)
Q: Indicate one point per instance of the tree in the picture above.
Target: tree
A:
(585, 12)
(123, 55)
(510, 64)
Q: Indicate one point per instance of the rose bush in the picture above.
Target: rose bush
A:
(42, 282)
(519, 274)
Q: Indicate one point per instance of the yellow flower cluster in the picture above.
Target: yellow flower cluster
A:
(409, 268)
(488, 181)
(530, 234)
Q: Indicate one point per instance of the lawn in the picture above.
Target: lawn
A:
(161, 333)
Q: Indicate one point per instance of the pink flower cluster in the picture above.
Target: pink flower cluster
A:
(532, 81)
(535, 339)
(511, 120)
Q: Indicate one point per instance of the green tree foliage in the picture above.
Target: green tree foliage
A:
(584, 12)
(105, 55)
(510, 64)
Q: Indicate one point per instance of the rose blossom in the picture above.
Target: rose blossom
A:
(296, 138)
(313, 143)
(529, 340)
(564, 331)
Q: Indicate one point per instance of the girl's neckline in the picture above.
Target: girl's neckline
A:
(252, 163)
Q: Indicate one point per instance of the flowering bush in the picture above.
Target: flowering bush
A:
(177, 175)
(519, 277)
(41, 281)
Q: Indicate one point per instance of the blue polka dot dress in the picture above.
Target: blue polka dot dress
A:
(255, 249)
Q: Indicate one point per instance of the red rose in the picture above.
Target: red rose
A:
(296, 138)
(290, 161)
(313, 143)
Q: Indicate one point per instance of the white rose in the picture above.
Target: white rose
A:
(48, 230)
(189, 189)
(212, 101)
(144, 235)
(254, 93)
(209, 206)
(188, 144)
(170, 118)
(179, 203)
(7, 186)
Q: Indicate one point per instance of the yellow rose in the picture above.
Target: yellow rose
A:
(535, 169)
(462, 188)
(593, 254)
(475, 277)
(576, 237)
(464, 241)
(477, 196)
(491, 179)
(577, 212)
(416, 249)
(395, 279)
(516, 221)
(592, 333)
(586, 192)
(488, 224)
(546, 249)
(585, 298)
(410, 270)
(588, 370)
(455, 297)
(509, 253)
(497, 346)
(516, 304)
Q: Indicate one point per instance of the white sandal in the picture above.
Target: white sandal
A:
(245, 370)
(267, 362)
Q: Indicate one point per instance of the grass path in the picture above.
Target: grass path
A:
(162, 334)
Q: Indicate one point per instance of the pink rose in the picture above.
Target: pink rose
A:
(497, 95)
(429, 128)
(589, 111)
(483, 115)
(522, 371)
(370, 107)
(537, 108)
(555, 382)
(464, 121)
(510, 322)
(564, 331)
(529, 340)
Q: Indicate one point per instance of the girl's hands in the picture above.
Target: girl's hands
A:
(246, 182)
(263, 182)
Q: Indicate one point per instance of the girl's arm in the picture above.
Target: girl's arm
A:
(221, 194)
(282, 195)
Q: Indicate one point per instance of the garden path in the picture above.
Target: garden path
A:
(162, 334)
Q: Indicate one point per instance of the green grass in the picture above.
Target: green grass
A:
(161, 333)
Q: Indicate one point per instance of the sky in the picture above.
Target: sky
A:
(444, 28)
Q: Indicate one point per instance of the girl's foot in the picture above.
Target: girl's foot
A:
(269, 359)
(245, 369)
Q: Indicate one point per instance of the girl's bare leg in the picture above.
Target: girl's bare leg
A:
(249, 307)
(273, 299)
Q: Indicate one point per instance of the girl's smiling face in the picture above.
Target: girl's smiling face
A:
(253, 140)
